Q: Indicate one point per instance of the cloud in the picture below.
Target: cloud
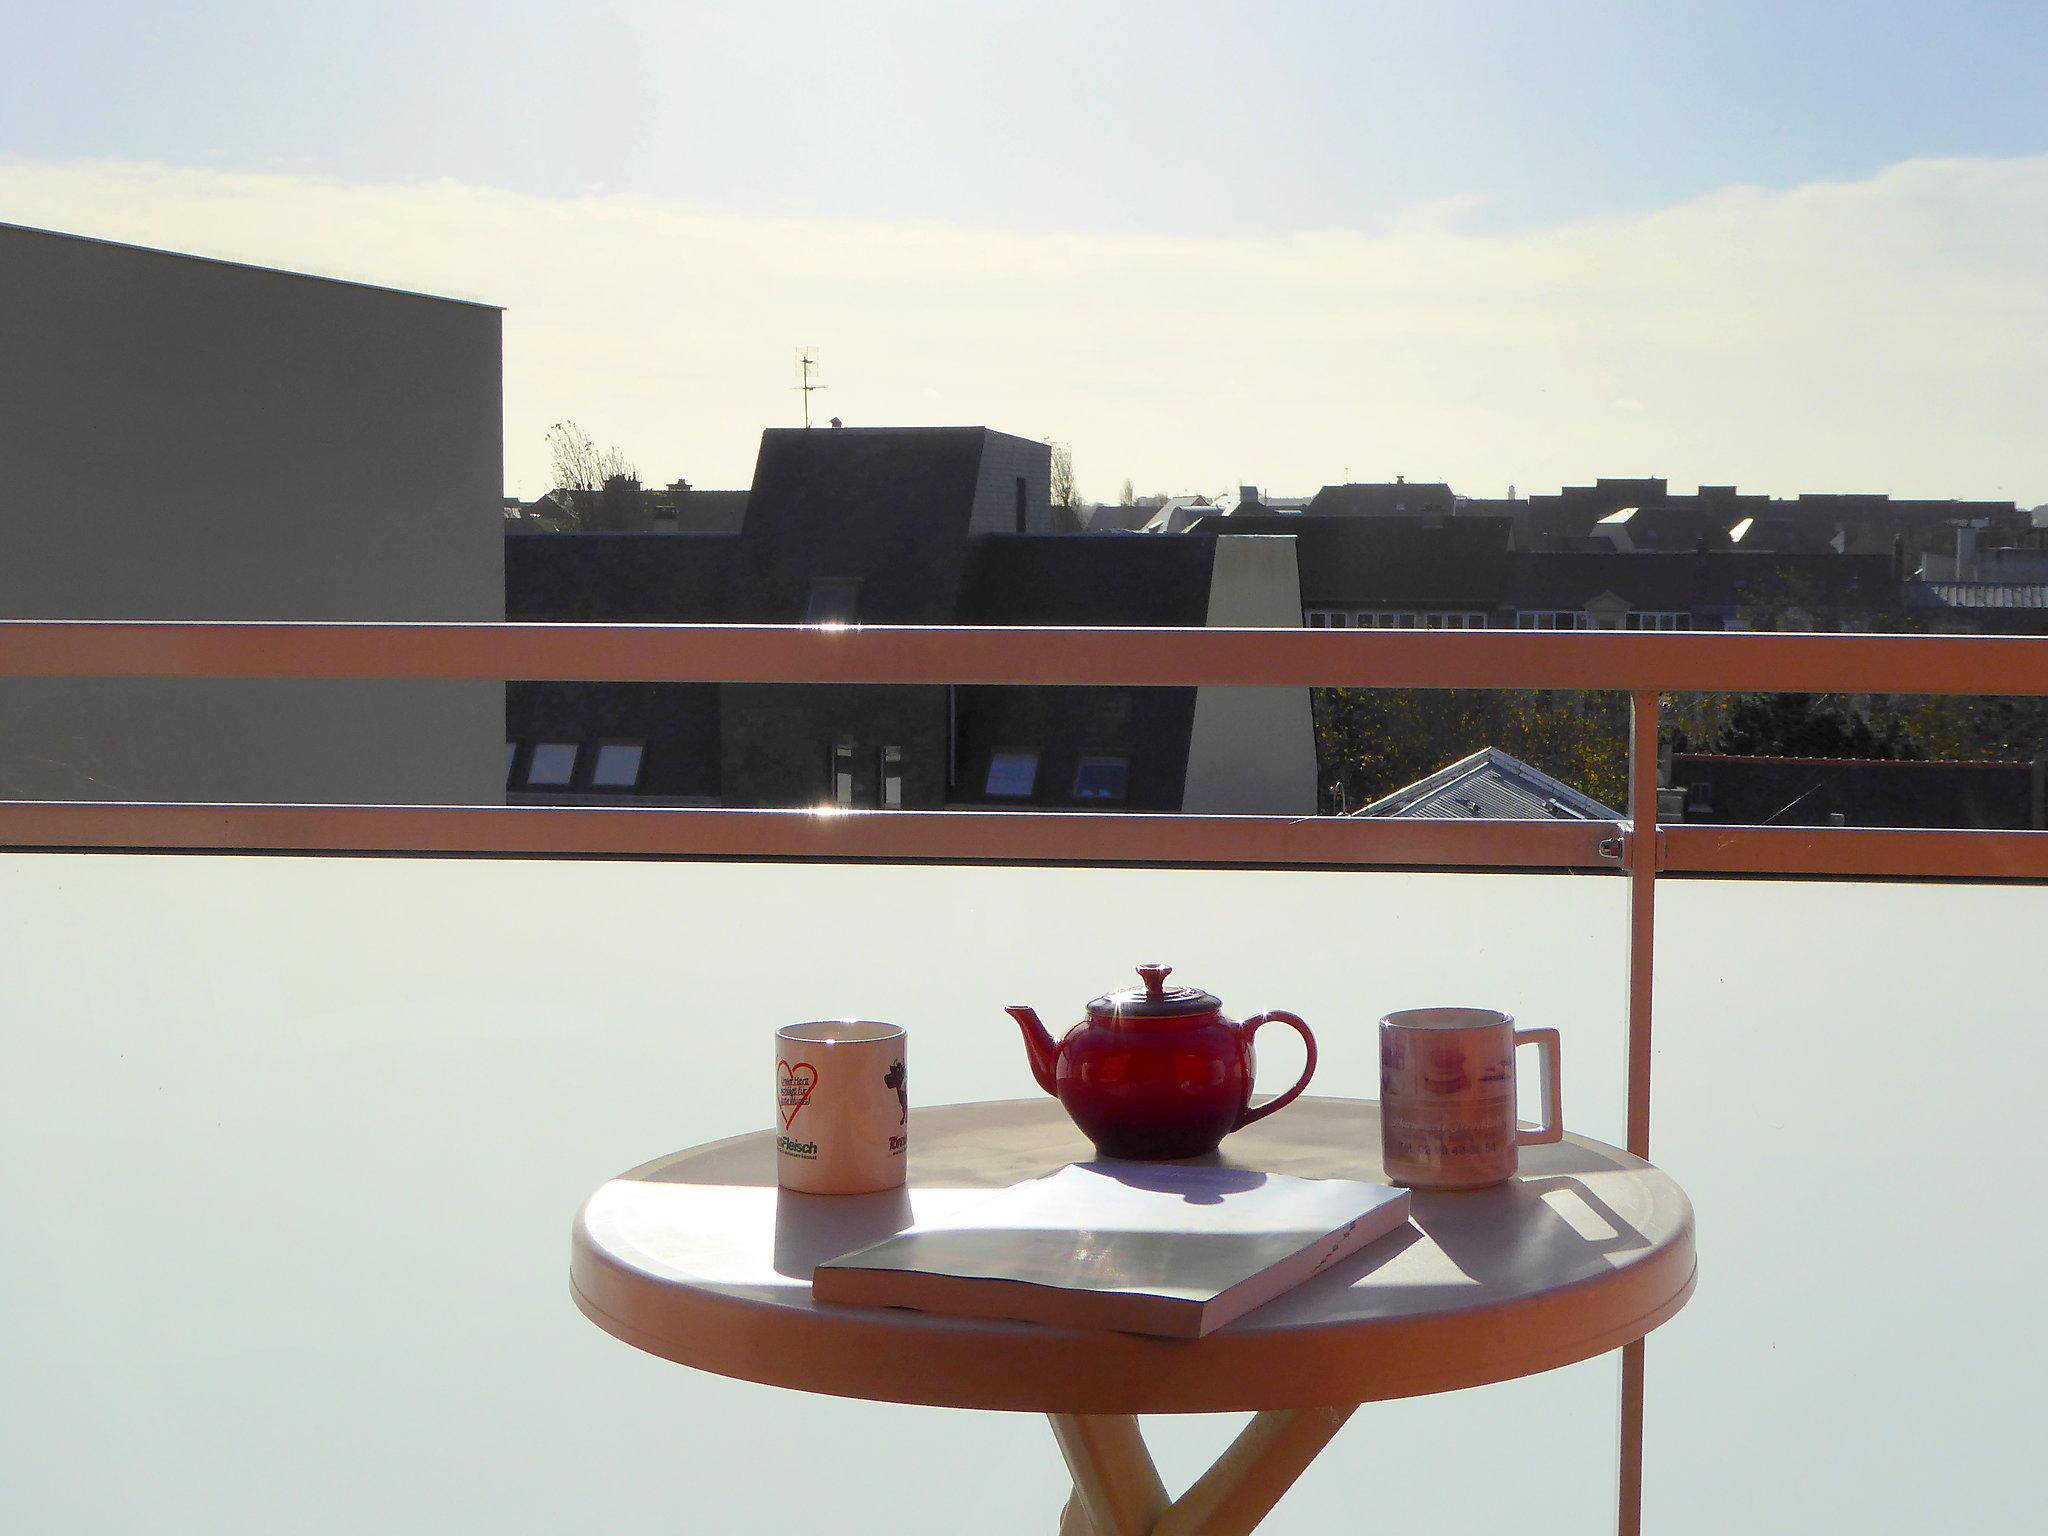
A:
(1883, 334)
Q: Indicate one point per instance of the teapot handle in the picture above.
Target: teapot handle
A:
(1308, 1070)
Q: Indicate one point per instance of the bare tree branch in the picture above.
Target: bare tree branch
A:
(579, 464)
(1063, 476)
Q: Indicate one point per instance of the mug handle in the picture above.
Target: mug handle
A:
(1552, 1126)
(1250, 1026)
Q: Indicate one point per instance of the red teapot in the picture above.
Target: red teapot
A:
(1156, 1072)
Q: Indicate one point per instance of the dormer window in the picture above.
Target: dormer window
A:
(833, 600)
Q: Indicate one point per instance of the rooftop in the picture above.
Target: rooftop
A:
(1490, 785)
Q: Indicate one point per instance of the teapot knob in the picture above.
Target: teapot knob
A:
(1155, 978)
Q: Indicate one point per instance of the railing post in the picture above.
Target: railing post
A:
(1642, 937)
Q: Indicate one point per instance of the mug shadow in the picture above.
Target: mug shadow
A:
(809, 1229)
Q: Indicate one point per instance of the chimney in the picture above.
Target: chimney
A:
(1966, 548)
(622, 506)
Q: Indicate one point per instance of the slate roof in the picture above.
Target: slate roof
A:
(1389, 562)
(892, 510)
(888, 506)
(1693, 583)
(1677, 528)
(712, 512)
(1490, 785)
(1976, 594)
(1406, 498)
(1119, 519)
(1027, 578)
(622, 578)
(1048, 579)
(678, 723)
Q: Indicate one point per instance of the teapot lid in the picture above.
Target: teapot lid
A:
(1155, 999)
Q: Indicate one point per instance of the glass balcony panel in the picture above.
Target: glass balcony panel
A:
(294, 1145)
(1848, 1085)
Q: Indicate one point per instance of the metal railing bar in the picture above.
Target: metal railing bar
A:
(1642, 854)
(1627, 661)
(1855, 852)
(893, 836)
(1017, 837)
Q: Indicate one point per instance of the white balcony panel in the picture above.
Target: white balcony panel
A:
(293, 1146)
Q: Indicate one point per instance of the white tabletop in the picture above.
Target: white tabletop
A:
(699, 1258)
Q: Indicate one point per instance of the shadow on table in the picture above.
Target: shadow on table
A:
(1499, 1242)
(809, 1229)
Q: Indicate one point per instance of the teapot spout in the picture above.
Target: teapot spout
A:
(1039, 1044)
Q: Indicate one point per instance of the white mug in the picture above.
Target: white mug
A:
(1447, 1096)
(842, 1107)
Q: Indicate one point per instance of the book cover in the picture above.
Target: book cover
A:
(1143, 1247)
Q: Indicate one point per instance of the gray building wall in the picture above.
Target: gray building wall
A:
(1004, 461)
(191, 439)
(1253, 750)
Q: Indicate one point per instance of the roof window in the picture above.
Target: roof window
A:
(1011, 775)
(1102, 778)
(618, 765)
(552, 765)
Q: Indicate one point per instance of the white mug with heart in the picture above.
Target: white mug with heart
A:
(842, 1107)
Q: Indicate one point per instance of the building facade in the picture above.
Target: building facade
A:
(191, 439)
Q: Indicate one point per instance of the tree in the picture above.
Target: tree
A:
(1063, 476)
(579, 464)
(1808, 725)
(1128, 496)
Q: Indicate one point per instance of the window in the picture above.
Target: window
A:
(1011, 775)
(1654, 619)
(842, 774)
(834, 600)
(1102, 778)
(552, 765)
(618, 765)
(1552, 618)
(889, 764)
(1317, 619)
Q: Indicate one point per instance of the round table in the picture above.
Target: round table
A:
(699, 1258)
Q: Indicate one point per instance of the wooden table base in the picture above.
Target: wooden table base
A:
(1117, 1491)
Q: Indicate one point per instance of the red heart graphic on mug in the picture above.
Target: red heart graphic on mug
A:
(793, 1087)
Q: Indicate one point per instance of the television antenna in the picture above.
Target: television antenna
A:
(806, 361)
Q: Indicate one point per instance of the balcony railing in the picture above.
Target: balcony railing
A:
(1647, 666)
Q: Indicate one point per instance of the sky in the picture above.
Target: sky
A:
(1791, 247)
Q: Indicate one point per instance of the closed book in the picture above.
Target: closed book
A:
(1154, 1248)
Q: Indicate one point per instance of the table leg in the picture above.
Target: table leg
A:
(1117, 1491)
